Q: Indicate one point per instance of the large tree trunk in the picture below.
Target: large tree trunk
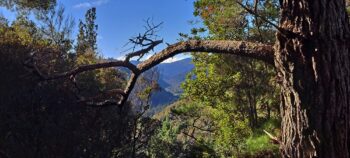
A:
(314, 66)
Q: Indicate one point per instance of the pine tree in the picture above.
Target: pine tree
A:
(87, 37)
(91, 29)
(81, 39)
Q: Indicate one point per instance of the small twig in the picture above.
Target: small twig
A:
(284, 32)
(257, 15)
(147, 38)
(142, 52)
(191, 136)
(273, 138)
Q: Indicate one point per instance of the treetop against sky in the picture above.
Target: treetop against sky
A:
(119, 20)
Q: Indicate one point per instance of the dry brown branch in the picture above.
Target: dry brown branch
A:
(247, 49)
(91, 67)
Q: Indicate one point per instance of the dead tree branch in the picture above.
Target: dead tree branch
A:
(247, 49)
(85, 68)
(147, 39)
(141, 52)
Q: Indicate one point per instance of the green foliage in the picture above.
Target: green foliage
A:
(167, 132)
(222, 17)
(225, 19)
(163, 143)
(56, 28)
(28, 4)
(259, 145)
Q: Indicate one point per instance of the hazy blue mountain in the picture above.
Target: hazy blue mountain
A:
(170, 79)
(174, 74)
(171, 75)
(176, 68)
(162, 97)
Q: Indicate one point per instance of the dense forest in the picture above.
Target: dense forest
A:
(271, 78)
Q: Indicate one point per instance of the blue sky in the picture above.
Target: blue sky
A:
(119, 20)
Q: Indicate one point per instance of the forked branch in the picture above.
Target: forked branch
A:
(247, 49)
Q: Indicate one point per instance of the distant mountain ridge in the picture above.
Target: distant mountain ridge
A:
(171, 75)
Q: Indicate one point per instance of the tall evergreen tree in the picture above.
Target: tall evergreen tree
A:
(87, 37)
(28, 4)
(81, 43)
(91, 29)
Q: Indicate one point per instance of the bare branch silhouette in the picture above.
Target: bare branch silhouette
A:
(247, 49)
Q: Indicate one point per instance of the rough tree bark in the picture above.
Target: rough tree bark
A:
(314, 66)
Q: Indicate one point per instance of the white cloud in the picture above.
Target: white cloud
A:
(121, 58)
(177, 58)
(147, 56)
(83, 5)
(99, 2)
(90, 4)
(171, 60)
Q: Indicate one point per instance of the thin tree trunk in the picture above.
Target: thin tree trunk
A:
(314, 66)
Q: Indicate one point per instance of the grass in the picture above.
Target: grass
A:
(259, 144)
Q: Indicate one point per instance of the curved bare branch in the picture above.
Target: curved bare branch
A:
(258, 51)
(248, 49)
(91, 67)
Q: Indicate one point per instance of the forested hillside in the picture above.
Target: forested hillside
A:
(266, 78)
